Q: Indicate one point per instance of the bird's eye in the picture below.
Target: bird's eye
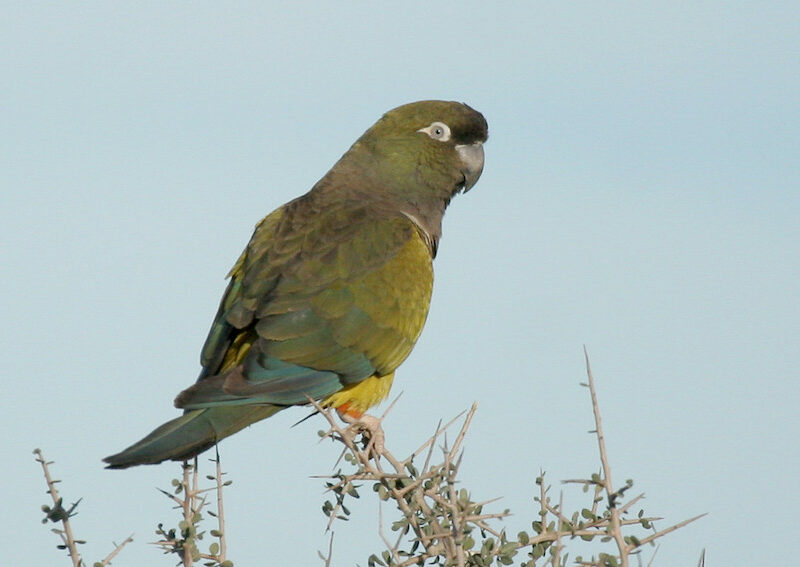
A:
(438, 131)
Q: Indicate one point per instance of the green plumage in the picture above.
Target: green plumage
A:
(333, 288)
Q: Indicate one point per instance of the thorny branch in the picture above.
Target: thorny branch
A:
(57, 513)
(191, 500)
(441, 524)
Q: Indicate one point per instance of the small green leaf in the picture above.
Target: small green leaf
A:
(633, 540)
(509, 548)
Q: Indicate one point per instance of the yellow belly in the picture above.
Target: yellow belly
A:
(397, 298)
(357, 398)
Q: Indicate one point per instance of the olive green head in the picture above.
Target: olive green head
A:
(459, 124)
(438, 143)
(426, 150)
(411, 161)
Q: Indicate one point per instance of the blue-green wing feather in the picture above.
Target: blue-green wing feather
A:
(302, 333)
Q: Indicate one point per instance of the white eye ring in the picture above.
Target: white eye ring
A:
(438, 131)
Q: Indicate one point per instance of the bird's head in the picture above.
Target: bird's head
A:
(431, 144)
(421, 153)
(412, 161)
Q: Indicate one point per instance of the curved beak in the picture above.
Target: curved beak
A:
(472, 163)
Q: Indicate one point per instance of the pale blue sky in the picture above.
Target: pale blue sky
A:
(641, 196)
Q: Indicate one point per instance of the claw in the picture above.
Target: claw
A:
(371, 426)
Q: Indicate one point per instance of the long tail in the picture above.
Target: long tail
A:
(190, 434)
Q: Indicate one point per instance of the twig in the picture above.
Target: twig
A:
(665, 531)
(652, 557)
(58, 513)
(625, 507)
(188, 500)
(223, 548)
(615, 530)
(117, 548)
(391, 547)
(556, 556)
(463, 433)
(327, 559)
(432, 439)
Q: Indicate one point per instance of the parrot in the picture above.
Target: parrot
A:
(333, 289)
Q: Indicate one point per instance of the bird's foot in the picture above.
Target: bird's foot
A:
(369, 425)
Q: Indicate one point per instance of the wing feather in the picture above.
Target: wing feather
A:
(322, 297)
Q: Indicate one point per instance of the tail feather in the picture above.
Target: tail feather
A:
(189, 435)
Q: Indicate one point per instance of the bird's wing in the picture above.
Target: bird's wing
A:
(320, 299)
